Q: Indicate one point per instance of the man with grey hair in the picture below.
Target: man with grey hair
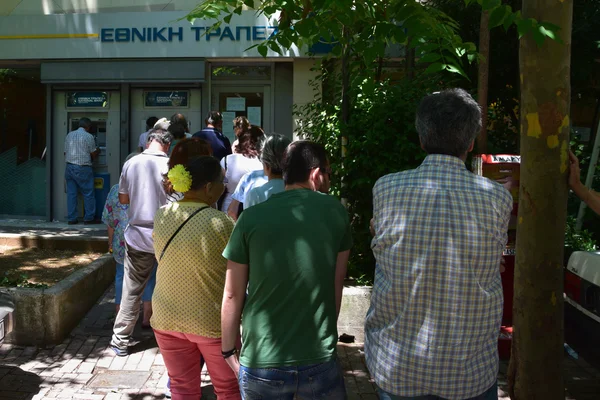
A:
(272, 158)
(431, 331)
(140, 186)
(80, 151)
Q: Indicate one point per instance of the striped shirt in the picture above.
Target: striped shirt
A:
(79, 145)
(436, 307)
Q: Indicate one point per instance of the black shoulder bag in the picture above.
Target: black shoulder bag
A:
(178, 229)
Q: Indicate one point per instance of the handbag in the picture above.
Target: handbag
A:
(178, 229)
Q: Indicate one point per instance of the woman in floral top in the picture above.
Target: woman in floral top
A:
(115, 217)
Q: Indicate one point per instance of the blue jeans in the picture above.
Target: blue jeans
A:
(80, 178)
(148, 291)
(316, 381)
(490, 394)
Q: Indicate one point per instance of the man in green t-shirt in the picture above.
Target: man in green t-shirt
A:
(291, 252)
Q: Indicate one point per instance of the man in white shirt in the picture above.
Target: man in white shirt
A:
(141, 187)
(144, 136)
(80, 151)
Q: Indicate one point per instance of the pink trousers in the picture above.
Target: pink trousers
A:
(181, 353)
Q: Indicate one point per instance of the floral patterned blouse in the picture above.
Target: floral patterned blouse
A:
(114, 215)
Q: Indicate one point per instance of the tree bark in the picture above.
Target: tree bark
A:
(482, 79)
(536, 366)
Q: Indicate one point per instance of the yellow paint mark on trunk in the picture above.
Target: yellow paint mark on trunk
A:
(521, 79)
(533, 125)
(565, 124)
(564, 156)
(558, 93)
(553, 299)
(552, 141)
(520, 220)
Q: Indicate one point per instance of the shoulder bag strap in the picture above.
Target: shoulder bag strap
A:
(178, 229)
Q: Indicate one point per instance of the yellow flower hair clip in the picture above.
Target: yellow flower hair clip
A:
(180, 178)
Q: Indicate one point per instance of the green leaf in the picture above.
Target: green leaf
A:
(538, 37)
(455, 68)
(498, 15)
(262, 49)
(510, 19)
(487, 5)
(435, 67)
(524, 26)
(429, 58)
(227, 18)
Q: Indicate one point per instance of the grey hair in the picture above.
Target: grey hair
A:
(448, 122)
(161, 136)
(272, 152)
(85, 123)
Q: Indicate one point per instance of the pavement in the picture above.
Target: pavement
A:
(82, 367)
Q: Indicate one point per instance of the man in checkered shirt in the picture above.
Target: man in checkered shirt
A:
(439, 231)
(80, 151)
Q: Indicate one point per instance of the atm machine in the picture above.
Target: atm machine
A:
(106, 131)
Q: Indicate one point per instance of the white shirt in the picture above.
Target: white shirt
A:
(237, 166)
(141, 179)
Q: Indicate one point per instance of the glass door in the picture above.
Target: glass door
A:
(252, 102)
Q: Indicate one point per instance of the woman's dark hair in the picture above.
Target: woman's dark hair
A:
(182, 153)
(204, 169)
(177, 130)
(300, 158)
(249, 142)
(242, 123)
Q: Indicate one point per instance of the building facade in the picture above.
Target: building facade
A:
(119, 63)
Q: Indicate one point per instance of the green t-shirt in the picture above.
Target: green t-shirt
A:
(290, 243)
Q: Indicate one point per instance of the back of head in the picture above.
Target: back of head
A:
(204, 169)
(249, 142)
(150, 122)
(448, 122)
(272, 152)
(300, 158)
(177, 129)
(161, 136)
(241, 123)
(85, 123)
(214, 118)
(188, 149)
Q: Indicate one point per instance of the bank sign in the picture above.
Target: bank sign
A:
(131, 34)
(197, 33)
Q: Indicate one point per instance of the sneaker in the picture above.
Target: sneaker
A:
(168, 389)
(119, 351)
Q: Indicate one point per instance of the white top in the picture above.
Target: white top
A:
(144, 139)
(141, 179)
(79, 145)
(237, 166)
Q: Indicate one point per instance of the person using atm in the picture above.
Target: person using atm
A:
(80, 151)
(587, 195)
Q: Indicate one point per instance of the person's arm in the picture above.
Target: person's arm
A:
(234, 295)
(94, 154)
(111, 232)
(341, 266)
(233, 209)
(588, 196)
(123, 198)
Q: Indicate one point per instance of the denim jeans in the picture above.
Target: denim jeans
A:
(316, 381)
(80, 178)
(146, 296)
(490, 394)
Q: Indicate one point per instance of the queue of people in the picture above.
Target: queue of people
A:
(256, 295)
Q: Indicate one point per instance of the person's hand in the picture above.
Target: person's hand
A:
(574, 171)
(372, 227)
(508, 182)
(234, 364)
(110, 248)
(502, 264)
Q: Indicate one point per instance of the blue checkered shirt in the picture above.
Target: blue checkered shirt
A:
(436, 307)
(247, 182)
(79, 145)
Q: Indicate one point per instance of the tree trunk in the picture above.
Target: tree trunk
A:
(536, 366)
(482, 79)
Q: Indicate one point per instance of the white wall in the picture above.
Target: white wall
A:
(303, 92)
(47, 7)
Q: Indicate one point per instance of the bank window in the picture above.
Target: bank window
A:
(228, 72)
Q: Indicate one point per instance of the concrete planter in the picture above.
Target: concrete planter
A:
(47, 316)
(355, 304)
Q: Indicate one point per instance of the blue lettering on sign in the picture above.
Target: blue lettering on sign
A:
(170, 34)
